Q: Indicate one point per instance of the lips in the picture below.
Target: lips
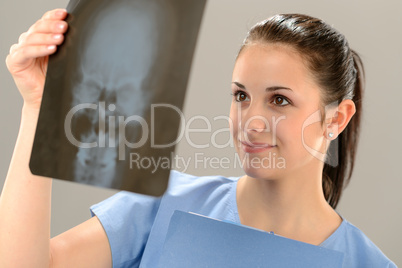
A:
(255, 144)
(255, 147)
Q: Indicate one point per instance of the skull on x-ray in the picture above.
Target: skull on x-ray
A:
(122, 30)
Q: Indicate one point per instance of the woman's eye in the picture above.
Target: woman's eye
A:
(280, 100)
(240, 96)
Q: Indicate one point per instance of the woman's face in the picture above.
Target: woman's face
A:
(274, 100)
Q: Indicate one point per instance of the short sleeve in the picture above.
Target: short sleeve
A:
(127, 219)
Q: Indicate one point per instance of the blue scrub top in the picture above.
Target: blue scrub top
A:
(136, 225)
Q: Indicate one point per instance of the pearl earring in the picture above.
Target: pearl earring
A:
(330, 134)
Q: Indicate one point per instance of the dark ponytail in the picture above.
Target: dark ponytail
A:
(339, 72)
(335, 179)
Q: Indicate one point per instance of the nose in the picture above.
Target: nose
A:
(253, 128)
(256, 124)
(252, 120)
(253, 123)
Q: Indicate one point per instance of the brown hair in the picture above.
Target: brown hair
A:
(337, 69)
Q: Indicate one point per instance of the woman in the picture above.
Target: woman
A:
(297, 89)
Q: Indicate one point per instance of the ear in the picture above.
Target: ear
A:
(339, 118)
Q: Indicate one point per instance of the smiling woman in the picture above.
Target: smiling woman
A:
(291, 69)
(316, 66)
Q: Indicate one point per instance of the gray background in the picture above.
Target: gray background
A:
(372, 202)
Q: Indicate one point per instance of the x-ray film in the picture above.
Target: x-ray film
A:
(114, 91)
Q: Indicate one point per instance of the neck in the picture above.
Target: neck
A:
(293, 206)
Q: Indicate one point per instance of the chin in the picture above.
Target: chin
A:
(261, 173)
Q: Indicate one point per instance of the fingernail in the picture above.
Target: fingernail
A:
(61, 12)
(57, 36)
(51, 47)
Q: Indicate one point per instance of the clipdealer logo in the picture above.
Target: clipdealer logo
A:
(119, 140)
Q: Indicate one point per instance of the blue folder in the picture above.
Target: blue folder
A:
(197, 241)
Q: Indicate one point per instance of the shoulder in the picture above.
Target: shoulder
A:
(180, 185)
(213, 196)
(183, 189)
(365, 248)
(359, 250)
(200, 194)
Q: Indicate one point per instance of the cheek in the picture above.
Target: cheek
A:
(293, 136)
(287, 128)
(297, 141)
(290, 144)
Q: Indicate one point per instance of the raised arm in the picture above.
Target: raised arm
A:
(26, 199)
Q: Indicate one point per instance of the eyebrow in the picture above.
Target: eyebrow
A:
(268, 89)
